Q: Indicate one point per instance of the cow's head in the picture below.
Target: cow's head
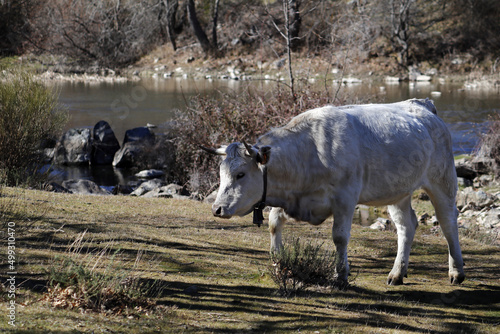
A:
(241, 179)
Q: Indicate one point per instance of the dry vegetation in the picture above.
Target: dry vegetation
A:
(211, 275)
(456, 35)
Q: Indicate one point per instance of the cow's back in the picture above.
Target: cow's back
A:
(379, 148)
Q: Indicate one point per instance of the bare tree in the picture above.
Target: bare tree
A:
(400, 24)
(215, 18)
(168, 10)
(198, 31)
(287, 33)
(295, 21)
(106, 32)
(210, 48)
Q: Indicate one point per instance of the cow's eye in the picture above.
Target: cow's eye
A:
(240, 176)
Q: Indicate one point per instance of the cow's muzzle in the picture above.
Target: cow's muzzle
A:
(219, 211)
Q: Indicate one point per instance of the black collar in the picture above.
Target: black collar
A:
(258, 216)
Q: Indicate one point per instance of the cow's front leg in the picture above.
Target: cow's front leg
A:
(277, 219)
(341, 233)
(406, 223)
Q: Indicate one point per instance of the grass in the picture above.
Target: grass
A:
(212, 276)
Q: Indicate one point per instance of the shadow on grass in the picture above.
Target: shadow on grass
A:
(274, 313)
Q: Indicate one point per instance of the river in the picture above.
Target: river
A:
(135, 103)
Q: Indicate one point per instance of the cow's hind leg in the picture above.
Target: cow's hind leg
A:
(277, 219)
(406, 223)
(446, 213)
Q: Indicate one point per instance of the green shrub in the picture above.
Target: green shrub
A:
(212, 121)
(29, 115)
(299, 265)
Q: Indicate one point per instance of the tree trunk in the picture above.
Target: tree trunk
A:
(400, 21)
(214, 24)
(170, 11)
(295, 21)
(197, 29)
(288, 37)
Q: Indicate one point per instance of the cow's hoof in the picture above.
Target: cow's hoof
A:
(456, 278)
(394, 280)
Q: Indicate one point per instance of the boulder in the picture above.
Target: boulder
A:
(148, 186)
(490, 219)
(169, 191)
(150, 174)
(142, 134)
(477, 199)
(104, 144)
(55, 187)
(84, 187)
(135, 143)
(381, 224)
(128, 155)
(465, 169)
(74, 147)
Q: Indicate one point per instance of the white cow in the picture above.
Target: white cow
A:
(327, 160)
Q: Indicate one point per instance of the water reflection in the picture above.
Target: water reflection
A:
(125, 105)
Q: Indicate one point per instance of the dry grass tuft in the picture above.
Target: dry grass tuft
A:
(300, 264)
(97, 280)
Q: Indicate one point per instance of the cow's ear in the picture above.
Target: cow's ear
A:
(264, 155)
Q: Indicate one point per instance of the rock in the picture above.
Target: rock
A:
(148, 186)
(468, 197)
(104, 144)
(463, 182)
(55, 187)
(434, 221)
(74, 147)
(48, 154)
(484, 180)
(150, 174)
(136, 145)
(389, 79)
(423, 218)
(169, 191)
(84, 187)
(423, 78)
(381, 224)
(483, 165)
(465, 168)
(141, 134)
(490, 219)
(128, 155)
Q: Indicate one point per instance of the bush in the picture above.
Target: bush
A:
(29, 115)
(300, 265)
(489, 146)
(216, 120)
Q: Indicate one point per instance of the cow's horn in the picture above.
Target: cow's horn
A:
(219, 151)
(249, 148)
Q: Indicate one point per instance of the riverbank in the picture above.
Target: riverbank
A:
(212, 275)
(190, 63)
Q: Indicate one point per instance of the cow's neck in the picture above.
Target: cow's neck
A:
(291, 189)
